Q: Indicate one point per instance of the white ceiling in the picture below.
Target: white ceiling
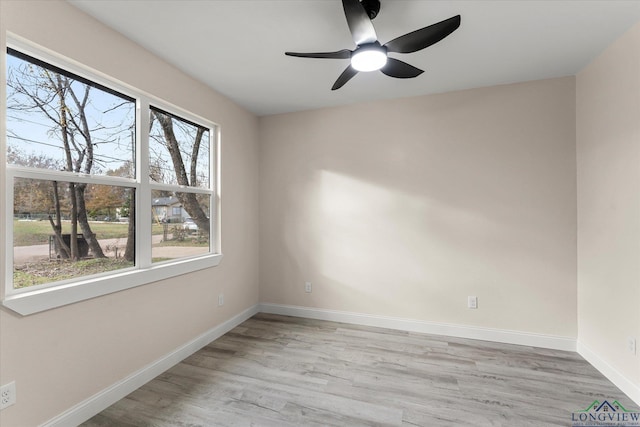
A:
(237, 47)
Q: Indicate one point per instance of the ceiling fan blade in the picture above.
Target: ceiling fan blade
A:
(341, 54)
(424, 37)
(346, 75)
(359, 23)
(400, 70)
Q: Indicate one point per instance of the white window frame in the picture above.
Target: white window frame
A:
(56, 294)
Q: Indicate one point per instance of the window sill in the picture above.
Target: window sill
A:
(38, 300)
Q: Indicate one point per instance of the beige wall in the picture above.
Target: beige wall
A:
(403, 208)
(608, 153)
(60, 357)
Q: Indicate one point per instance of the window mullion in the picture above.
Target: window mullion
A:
(179, 188)
(143, 198)
(6, 260)
(49, 175)
(8, 235)
(214, 163)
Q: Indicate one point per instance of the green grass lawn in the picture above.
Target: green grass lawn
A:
(38, 273)
(28, 233)
(191, 242)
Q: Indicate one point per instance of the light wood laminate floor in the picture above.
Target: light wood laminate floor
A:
(284, 371)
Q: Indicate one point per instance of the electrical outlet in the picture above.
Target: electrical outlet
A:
(631, 345)
(7, 395)
(220, 300)
(472, 302)
(307, 287)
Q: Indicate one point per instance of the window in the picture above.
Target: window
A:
(108, 188)
(179, 159)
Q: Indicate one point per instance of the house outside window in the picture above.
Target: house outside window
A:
(86, 159)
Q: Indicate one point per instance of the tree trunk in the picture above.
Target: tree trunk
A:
(89, 235)
(194, 156)
(193, 208)
(130, 251)
(61, 247)
(73, 243)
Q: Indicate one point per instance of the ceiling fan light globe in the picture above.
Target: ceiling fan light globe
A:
(368, 59)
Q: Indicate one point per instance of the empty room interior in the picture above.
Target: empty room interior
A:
(199, 230)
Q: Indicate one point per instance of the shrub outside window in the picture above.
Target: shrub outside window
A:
(103, 185)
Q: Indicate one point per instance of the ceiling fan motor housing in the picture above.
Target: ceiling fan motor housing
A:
(372, 7)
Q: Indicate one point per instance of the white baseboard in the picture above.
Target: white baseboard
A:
(100, 401)
(623, 383)
(462, 331)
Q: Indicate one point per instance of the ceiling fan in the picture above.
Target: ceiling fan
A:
(369, 54)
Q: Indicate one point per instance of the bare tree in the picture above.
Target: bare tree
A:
(62, 102)
(66, 105)
(188, 200)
